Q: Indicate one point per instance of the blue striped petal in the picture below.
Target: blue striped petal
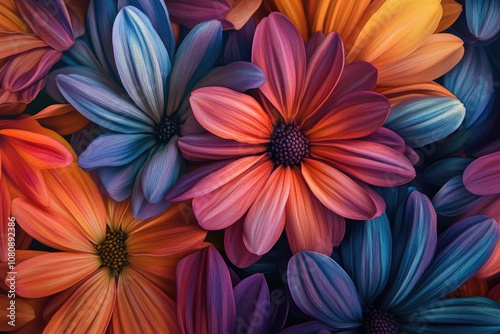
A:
(424, 120)
(103, 102)
(443, 170)
(414, 242)
(142, 61)
(367, 253)
(483, 17)
(453, 199)
(462, 254)
(157, 12)
(114, 149)
(456, 315)
(472, 82)
(100, 17)
(196, 56)
(161, 171)
(323, 290)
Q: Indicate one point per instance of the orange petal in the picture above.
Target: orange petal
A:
(225, 205)
(439, 54)
(231, 115)
(10, 18)
(451, 12)
(51, 273)
(23, 313)
(265, 219)
(75, 196)
(340, 16)
(38, 150)
(159, 270)
(338, 192)
(399, 94)
(242, 12)
(12, 44)
(142, 307)
(295, 12)
(394, 30)
(89, 308)
(309, 224)
(62, 118)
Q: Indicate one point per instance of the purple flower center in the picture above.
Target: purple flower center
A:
(377, 321)
(113, 250)
(166, 129)
(288, 145)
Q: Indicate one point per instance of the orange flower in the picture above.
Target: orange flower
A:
(401, 38)
(26, 148)
(33, 35)
(113, 271)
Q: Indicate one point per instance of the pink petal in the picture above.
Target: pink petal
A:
(482, 176)
(204, 147)
(323, 72)
(266, 217)
(338, 192)
(355, 115)
(225, 205)
(309, 224)
(387, 137)
(235, 249)
(372, 163)
(278, 49)
(231, 115)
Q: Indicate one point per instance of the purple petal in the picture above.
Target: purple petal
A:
(205, 301)
(311, 327)
(239, 44)
(142, 61)
(189, 13)
(253, 304)
(323, 290)
(50, 20)
(161, 171)
(482, 176)
(453, 199)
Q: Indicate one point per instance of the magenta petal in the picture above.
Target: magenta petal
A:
(389, 138)
(205, 300)
(278, 49)
(50, 20)
(253, 305)
(323, 72)
(235, 249)
(209, 147)
(482, 176)
(189, 13)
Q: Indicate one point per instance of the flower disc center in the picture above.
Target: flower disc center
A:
(113, 250)
(377, 321)
(288, 145)
(166, 129)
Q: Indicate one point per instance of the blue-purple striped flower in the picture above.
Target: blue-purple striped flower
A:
(392, 277)
(148, 109)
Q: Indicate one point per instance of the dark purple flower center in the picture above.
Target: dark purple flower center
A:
(288, 145)
(377, 321)
(113, 250)
(166, 129)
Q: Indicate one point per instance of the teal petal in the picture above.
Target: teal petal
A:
(366, 254)
(424, 120)
(443, 170)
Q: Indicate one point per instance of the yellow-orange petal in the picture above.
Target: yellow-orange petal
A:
(439, 54)
(62, 118)
(451, 12)
(394, 30)
(22, 313)
(340, 16)
(10, 18)
(141, 307)
(399, 94)
(89, 308)
(295, 12)
(47, 274)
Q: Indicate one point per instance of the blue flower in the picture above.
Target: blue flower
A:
(146, 108)
(393, 277)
